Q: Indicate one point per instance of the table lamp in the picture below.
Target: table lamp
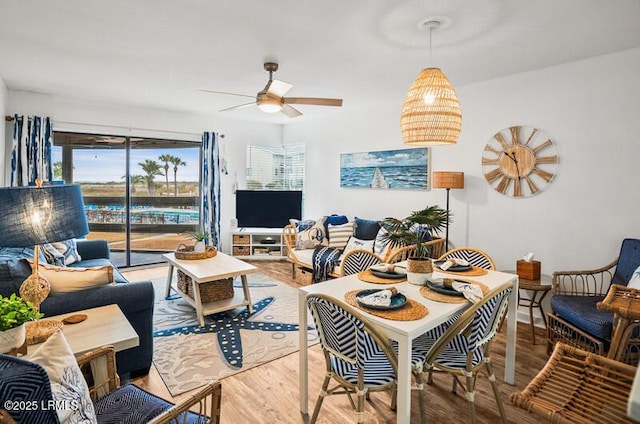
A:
(448, 180)
(31, 216)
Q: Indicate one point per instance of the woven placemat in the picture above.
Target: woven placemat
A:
(409, 312)
(473, 272)
(368, 277)
(427, 293)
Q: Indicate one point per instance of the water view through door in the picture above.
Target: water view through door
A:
(140, 194)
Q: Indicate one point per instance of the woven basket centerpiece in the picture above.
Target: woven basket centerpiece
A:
(187, 252)
(210, 291)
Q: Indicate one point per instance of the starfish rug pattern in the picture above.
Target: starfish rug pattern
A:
(227, 326)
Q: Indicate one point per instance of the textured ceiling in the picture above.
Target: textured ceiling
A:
(160, 53)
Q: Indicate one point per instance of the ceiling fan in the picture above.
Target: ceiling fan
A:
(271, 98)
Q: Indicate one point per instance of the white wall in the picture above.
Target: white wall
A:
(591, 110)
(4, 106)
(82, 116)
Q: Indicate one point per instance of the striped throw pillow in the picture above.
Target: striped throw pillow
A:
(339, 235)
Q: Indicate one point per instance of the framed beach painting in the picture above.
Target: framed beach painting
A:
(403, 169)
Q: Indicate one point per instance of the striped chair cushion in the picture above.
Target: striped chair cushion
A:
(473, 257)
(350, 347)
(471, 339)
(358, 261)
(130, 404)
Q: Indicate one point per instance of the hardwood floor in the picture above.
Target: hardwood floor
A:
(269, 393)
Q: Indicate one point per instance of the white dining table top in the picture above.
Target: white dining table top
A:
(438, 312)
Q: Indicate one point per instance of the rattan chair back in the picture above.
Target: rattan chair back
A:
(474, 256)
(578, 387)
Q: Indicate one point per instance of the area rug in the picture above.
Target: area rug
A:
(188, 356)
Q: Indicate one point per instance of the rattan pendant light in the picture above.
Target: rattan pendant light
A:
(431, 112)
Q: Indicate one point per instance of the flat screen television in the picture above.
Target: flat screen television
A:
(267, 208)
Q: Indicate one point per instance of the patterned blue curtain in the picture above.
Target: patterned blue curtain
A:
(31, 150)
(210, 188)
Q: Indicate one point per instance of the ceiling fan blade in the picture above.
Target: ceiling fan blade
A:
(312, 101)
(290, 111)
(238, 107)
(278, 88)
(224, 92)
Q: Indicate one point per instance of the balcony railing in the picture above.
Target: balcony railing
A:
(149, 214)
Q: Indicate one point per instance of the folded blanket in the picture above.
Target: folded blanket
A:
(324, 259)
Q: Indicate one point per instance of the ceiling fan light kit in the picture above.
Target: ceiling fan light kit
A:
(271, 98)
(431, 111)
(269, 104)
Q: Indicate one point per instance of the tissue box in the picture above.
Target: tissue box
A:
(528, 270)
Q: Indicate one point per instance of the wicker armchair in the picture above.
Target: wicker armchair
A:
(578, 387)
(142, 407)
(575, 318)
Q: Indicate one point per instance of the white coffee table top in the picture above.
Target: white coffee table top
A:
(216, 268)
(105, 325)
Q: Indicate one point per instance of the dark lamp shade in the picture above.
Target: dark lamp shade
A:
(38, 215)
(445, 179)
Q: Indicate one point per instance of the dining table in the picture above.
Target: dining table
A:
(404, 332)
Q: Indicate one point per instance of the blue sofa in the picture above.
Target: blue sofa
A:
(134, 299)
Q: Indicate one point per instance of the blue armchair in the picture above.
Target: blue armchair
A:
(136, 300)
(575, 318)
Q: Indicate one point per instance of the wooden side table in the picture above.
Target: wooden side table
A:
(540, 288)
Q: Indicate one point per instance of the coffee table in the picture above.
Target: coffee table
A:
(211, 269)
(105, 325)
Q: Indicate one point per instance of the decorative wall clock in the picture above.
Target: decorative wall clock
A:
(519, 161)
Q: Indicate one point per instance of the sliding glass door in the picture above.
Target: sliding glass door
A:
(141, 194)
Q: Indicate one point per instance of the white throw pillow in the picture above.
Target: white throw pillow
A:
(68, 386)
(69, 248)
(356, 243)
(382, 245)
(634, 281)
(339, 234)
(312, 237)
(70, 279)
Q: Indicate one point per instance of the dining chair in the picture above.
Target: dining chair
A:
(461, 346)
(474, 256)
(358, 260)
(358, 356)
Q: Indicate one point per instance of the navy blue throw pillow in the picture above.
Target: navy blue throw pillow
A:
(366, 229)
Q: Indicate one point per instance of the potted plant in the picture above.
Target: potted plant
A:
(14, 313)
(199, 236)
(414, 230)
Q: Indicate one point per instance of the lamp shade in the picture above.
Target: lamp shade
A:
(431, 112)
(446, 179)
(38, 215)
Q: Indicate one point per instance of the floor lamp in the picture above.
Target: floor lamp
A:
(448, 180)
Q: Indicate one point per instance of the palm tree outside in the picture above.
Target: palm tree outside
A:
(166, 159)
(151, 169)
(176, 161)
